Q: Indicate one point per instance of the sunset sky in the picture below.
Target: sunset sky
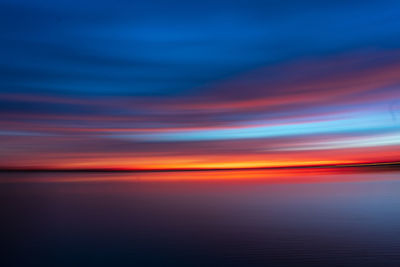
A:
(198, 84)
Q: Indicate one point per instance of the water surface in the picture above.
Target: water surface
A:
(201, 219)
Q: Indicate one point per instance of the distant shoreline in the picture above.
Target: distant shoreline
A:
(385, 165)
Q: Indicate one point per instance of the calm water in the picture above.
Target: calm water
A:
(153, 220)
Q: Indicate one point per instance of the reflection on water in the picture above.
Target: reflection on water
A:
(160, 219)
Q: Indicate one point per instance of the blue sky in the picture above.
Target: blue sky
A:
(135, 81)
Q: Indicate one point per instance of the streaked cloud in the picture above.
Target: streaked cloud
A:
(187, 84)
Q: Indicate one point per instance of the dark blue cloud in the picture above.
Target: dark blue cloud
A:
(175, 47)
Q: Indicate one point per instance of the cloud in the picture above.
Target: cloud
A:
(197, 83)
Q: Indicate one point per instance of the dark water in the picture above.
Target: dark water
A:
(126, 220)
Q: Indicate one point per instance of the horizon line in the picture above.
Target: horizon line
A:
(391, 164)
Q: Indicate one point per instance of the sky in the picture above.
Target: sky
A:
(198, 84)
